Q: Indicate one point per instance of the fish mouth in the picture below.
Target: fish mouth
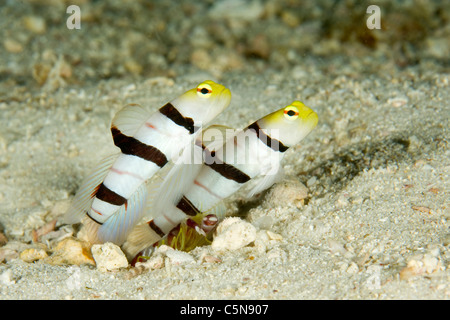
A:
(225, 91)
(312, 118)
(225, 96)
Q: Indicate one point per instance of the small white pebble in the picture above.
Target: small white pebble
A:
(287, 192)
(397, 101)
(336, 247)
(311, 181)
(155, 262)
(179, 257)
(274, 236)
(262, 241)
(232, 234)
(108, 257)
(276, 254)
(430, 263)
(211, 259)
(352, 268)
(342, 201)
(264, 222)
(6, 278)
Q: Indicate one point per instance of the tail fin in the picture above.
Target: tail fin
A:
(120, 224)
(142, 237)
(91, 228)
(85, 194)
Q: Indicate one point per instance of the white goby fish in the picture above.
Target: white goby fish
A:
(255, 151)
(111, 199)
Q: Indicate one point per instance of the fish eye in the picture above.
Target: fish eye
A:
(291, 112)
(204, 90)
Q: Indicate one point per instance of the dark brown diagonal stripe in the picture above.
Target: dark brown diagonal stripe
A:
(107, 195)
(187, 207)
(155, 228)
(173, 114)
(132, 146)
(271, 143)
(228, 171)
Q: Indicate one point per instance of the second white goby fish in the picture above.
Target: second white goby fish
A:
(255, 151)
(111, 199)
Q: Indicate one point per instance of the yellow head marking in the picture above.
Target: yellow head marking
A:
(291, 113)
(292, 123)
(204, 102)
(298, 111)
(204, 90)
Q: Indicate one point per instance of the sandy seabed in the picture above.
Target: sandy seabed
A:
(374, 225)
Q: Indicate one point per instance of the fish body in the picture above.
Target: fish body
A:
(111, 200)
(255, 151)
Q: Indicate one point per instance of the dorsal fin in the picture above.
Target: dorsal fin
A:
(130, 118)
(214, 136)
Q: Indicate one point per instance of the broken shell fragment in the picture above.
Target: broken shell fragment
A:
(33, 254)
(109, 257)
(71, 251)
(232, 234)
